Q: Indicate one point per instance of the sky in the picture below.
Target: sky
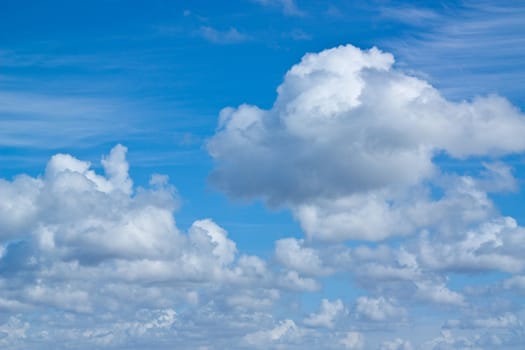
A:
(262, 174)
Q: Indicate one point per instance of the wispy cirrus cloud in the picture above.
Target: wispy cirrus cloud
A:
(349, 175)
(482, 43)
(324, 118)
(289, 7)
(409, 14)
(58, 118)
(223, 37)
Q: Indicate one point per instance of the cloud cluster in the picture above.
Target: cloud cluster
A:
(289, 7)
(358, 151)
(94, 247)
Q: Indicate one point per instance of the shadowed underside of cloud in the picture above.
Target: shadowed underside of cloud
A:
(93, 261)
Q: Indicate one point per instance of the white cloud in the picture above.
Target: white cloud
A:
(327, 315)
(63, 297)
(515, 283)
(376, 215)
(353, 340)
(254, 300)
(505, 321)
(293, 281)
(449, 341)
(145, 323)
(90, 246)
(74, 214)
(109, 261)
(498, 177)
(292, 254)
(116, 168)
(104, 262)
(396, 344)
(379, 309)
(353, 140)
(395, 274)
(223, 249)
(439, 294)
(289, 7)
(495, 245)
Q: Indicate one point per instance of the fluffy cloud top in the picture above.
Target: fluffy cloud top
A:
(292, 254)
(74, 222)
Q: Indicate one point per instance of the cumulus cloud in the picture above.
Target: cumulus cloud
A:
(80, 217)
(353, 340)
(495, 245)
(396, 344)
(379, 309)
(104, 262)
(254, 299)
(83, 244)
(376, 215)
(13, 332)
(439, 294)
(449, 341)
(515, 283)
(289, 7)
(351, 137)
(286, 328)
(292, 280)
(359, 150)
(396, 276)
(292, 254)
(327, 315)
(208, 231)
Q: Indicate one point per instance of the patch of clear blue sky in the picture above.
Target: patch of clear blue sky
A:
(154, 75)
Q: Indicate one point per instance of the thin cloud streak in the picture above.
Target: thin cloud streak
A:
(482, 44)
(230, 36)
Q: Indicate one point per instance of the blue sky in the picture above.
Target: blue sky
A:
(272, 174)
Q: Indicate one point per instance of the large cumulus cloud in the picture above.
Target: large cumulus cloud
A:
(105, 264)
(348, 136)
